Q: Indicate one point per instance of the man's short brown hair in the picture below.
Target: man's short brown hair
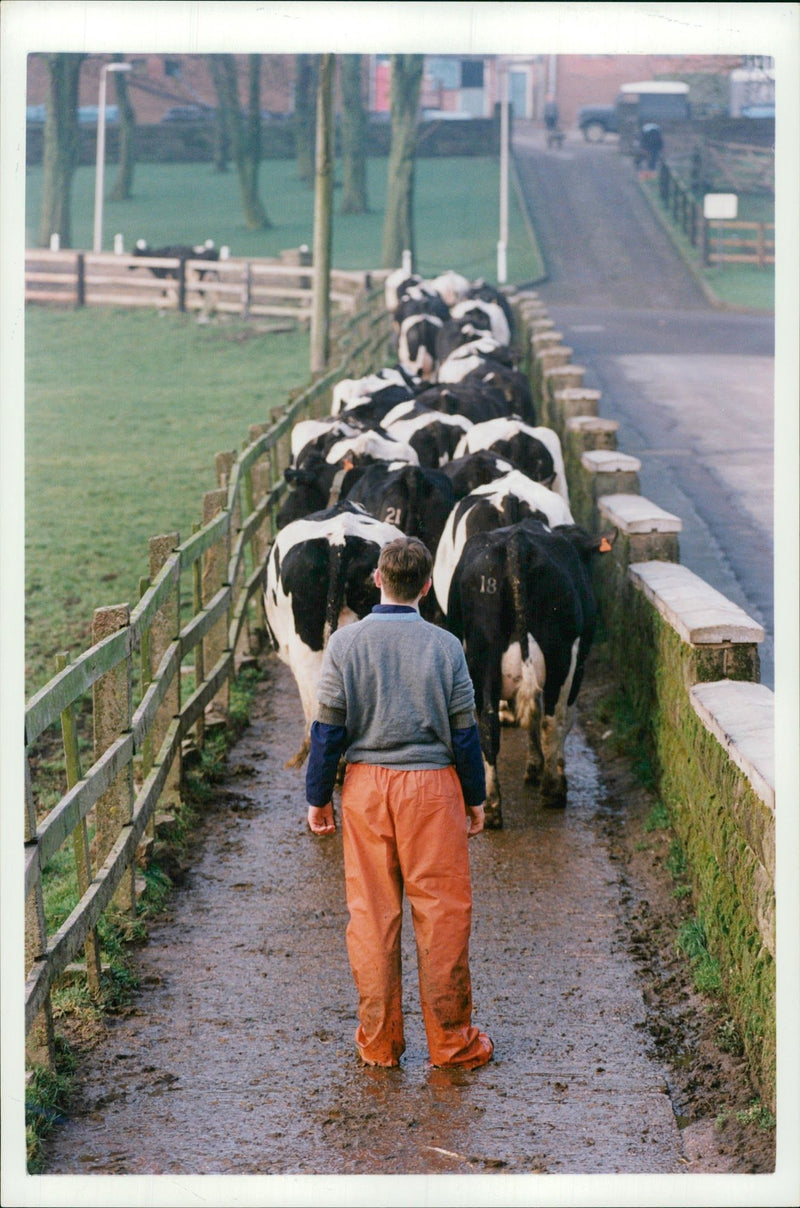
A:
(405, 565)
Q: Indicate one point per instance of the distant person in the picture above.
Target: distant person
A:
(550, 112)
(652, 144)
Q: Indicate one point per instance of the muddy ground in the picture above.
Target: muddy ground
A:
(236, 1055)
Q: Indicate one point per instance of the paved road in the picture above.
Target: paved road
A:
(692, 386)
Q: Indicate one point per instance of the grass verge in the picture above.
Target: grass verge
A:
(738, 286)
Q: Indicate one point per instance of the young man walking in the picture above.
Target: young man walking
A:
(396, 699)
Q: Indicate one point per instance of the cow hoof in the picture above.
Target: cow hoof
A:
(555, 803)
(533, 774)
(493, 818)
(554, 793)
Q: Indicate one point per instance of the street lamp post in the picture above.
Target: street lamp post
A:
(101, 151)
(502, 245)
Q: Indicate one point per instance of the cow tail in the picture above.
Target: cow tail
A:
(518, 588)
(337, 567)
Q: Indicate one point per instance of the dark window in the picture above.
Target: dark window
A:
(172, 68)
(472, 73)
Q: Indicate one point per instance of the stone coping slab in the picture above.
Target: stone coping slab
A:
(699, 613)
(741, 716)
(577, 392)
(609, 461)
(590, 423)
(635, 514)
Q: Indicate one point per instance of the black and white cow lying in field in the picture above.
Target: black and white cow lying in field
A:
(319, 576)
(521, 601)
(178, 251)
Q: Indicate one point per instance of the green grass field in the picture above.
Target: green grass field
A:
(124, 411)
(124, 414)
(456, 215)
(738, 285)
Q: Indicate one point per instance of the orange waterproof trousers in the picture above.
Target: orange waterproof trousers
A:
(408, 830)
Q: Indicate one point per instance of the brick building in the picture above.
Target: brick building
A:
(464, 85)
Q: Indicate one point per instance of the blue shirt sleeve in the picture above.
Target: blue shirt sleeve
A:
(327, 746)
(469, 764)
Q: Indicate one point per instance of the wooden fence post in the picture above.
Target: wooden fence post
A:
(224, 463)
(112, 707)
(215, 573)
(80, 837)
(80, 286)
(164, 630)
(40, 1041)
(182, 284)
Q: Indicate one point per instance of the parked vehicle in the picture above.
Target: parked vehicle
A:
(636, 104)
(596, 121)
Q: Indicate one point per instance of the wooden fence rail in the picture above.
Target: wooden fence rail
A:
(140, 719)
(246, 287)
(733, 242)
(718, 240)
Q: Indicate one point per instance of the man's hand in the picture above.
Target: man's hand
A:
(475, 819)
(320, 819)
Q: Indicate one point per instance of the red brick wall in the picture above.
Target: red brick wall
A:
(596, 79)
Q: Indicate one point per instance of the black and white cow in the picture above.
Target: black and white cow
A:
(383, 389)
(521, 601)
(474, 355)
(535, 450)
(177, 251)
(318, 577)
(433, 434)
(490, 293)
(452, 286)
(496, 504)
(475, 401)
(416, 499)
(474, 470)
(396, 285)
(416, 344)
(326, 473)
(489, 316)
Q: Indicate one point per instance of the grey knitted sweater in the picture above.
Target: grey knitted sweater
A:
(399, 684)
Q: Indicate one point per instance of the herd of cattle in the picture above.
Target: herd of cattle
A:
(444, 445)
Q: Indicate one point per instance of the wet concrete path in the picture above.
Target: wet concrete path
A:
(238, 1056)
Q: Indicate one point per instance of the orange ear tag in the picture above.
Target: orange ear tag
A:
(605, 546)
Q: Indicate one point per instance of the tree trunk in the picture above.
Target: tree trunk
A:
(61, 147)
(123, 186)
(323, 216)
(244, 135)
(221, 141)
(305, 106)
(354, 138)
(398, 223)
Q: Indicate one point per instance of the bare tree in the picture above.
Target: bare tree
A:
(243, 129)
(61, 147)
(123, 186)
(305, 111)
(354, 137)
(398, 223)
